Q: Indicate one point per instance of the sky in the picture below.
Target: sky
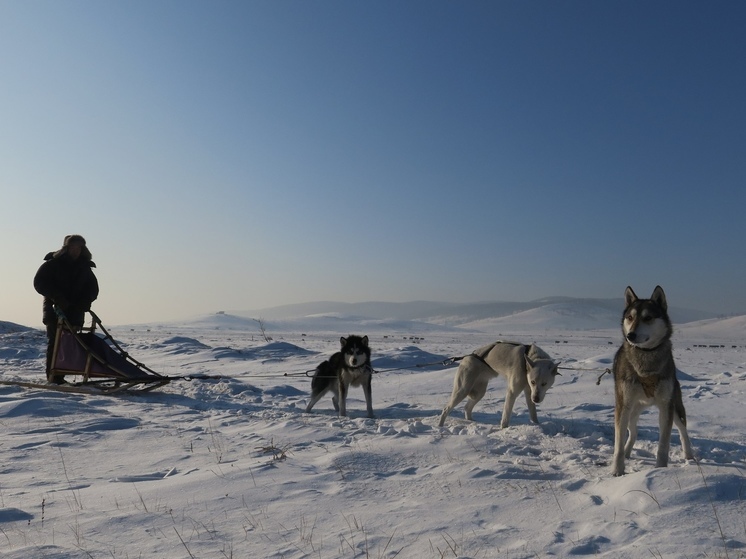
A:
(238, 155)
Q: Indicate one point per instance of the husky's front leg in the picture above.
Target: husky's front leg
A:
(531, 405)
(621, 424)
(679, 419)
(335, 397)
(343, 388)
(685, 442)
(510, 397)
(634, 418)
(368, 396)
(665, 425)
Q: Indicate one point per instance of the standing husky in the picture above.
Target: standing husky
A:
(350, 366)
(527, 368)
(645, 375)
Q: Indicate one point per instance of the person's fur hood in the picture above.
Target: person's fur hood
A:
(85, 254)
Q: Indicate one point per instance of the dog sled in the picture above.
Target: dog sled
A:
(97, 363)
(99, 360)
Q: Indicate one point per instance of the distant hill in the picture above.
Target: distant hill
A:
(586, 313)
(12, 328)
(726, 329)
(555, 316)
(552, 313)
(313, 322)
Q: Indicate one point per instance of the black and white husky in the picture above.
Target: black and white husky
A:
(645, 375)
(348, 367)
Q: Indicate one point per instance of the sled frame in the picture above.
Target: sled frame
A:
(114, 379)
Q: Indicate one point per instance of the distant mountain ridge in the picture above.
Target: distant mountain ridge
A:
(457, 314)
(421, 316)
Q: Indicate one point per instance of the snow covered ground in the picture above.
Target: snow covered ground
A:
(233, 468)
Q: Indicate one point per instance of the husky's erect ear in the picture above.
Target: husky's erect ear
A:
(659, 297)
(555, 370)
(342, 341)
(629, 296)
(529, 362)
(365, 341)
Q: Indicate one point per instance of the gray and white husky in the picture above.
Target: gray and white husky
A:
(645, 375)
(527, 369)
(348, 367)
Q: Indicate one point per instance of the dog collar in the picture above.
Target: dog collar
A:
(643, 348)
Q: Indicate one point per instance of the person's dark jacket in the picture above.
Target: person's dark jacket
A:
(69, 284)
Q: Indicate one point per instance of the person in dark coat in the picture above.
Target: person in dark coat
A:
(66, 280)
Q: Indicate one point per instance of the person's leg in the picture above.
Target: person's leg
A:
(51, 335)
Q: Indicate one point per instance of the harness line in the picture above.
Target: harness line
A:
(448, 361)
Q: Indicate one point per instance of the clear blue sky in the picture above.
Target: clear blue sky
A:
(230, 155)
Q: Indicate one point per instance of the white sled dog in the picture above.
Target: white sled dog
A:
(645, 375)
(528, 369)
